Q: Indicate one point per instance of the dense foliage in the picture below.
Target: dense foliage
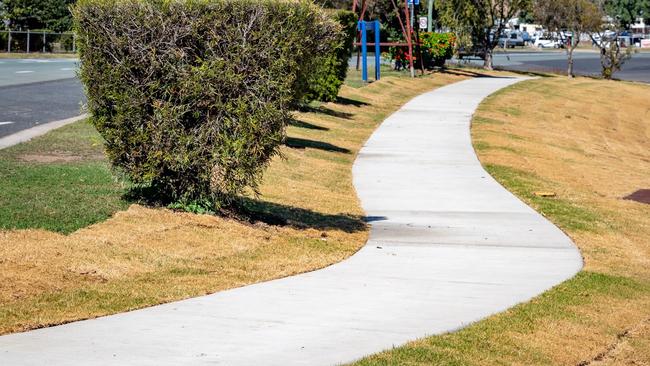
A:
(436, 48)
(52, 15)
(192, 97)
(327, 78)
(626, 12)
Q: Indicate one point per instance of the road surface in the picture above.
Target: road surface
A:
(33, 92)
(586, 63)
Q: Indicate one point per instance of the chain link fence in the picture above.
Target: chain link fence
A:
(34, 41)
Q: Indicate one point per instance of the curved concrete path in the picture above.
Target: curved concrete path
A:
(448, 246)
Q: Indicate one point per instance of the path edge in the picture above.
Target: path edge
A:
(39, 130)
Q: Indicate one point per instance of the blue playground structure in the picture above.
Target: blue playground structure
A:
(363, 27)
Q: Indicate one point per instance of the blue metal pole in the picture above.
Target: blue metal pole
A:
(364, 51)
(377, 52)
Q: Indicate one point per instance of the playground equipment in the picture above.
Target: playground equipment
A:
(363, 27)
(360, 6)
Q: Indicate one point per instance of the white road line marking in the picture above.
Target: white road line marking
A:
(5, 123)
(66, 68)
(24, 72)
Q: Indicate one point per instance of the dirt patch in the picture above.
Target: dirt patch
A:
(50, 158)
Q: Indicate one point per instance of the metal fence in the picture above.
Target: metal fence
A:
(32, 41)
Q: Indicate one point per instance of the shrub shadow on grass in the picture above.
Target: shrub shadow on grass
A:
(255, 210)
(298, 143)
(146, 195)
(462, 71)
(348, 101)
(539, 72)
(307, 125)
(326, 111)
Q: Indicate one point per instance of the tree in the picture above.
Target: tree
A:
(482, 21)
(568, 19)
(626, 12)
(39, 14)
(621, 13)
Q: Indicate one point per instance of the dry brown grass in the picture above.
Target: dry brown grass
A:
(588, 141)
(144, 256)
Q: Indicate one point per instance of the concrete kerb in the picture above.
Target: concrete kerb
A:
(30, 133)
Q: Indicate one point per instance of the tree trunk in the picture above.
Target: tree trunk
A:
(488, 64)
(570, 62)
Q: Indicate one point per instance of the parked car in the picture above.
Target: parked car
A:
(546, 43)
(511, 40)
(471, 52)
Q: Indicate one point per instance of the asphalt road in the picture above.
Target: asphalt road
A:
(586, 63)
(33, 92)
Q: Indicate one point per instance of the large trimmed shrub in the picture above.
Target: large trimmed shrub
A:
(192, 97)
(326, 80)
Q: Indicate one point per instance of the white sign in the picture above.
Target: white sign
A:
(423, 22)
(645, 43)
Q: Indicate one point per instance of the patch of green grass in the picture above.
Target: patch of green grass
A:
(489, 340)
(483, 146)
(59, 182)
(568, 215)
(511, 111)
(477, 120)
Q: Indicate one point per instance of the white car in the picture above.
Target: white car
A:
(546, 43)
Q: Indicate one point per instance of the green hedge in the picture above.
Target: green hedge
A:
(192, 97)
(327, 78)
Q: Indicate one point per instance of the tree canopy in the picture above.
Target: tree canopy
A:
(626, 12)
(38, 14)
(480, 21)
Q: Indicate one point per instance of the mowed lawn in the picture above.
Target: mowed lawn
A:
(588, 142)
(73, 247)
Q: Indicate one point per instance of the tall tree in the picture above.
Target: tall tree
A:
(568, 19)
(480, 20)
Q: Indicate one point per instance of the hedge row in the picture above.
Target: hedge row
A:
(332, 69)
(193, 96)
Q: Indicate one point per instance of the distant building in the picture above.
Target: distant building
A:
(640, 27)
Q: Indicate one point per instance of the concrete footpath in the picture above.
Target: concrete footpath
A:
(448, 246)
